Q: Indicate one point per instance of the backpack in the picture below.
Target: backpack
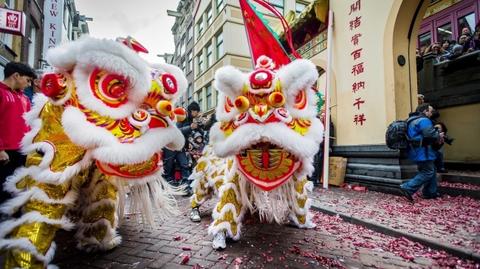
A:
(396, 136)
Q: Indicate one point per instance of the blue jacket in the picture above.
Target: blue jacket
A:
(422, 135)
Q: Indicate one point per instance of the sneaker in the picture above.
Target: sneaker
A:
(435, 196)
(406, 194)
(195, 215)
(219, 241)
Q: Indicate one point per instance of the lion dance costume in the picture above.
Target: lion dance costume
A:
(96, 134)
(263, 146)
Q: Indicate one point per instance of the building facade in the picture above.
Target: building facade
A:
(374, 77)
(220, 39)
(182, 31)
(31, 48)
(375, 80)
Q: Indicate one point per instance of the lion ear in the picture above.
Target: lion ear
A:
(230, 81)
(297, 76)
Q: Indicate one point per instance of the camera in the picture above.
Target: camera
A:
(201, 121)
(448, 139)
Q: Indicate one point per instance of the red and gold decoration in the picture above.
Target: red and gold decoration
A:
(266, 137)
(96, 130)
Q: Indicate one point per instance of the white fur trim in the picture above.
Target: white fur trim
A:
(26, 245)
(108, 149)
(87, 53)
(299, 75)
(7, 226)
(226, 227)
(35, 193)
(230, 81)
(46, 175)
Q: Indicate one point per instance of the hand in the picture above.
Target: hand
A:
(4, 156)
(194, 126)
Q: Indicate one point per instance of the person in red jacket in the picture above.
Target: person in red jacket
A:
(13, 104)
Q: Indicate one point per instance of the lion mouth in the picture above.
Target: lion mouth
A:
(133, 171)
(267, 165)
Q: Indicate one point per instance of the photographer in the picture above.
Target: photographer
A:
(422, 136)
(172, 159)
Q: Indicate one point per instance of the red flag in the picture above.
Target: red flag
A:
(260, 38)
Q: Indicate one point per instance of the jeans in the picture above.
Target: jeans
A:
(426, 177)
(172, 158)
(439, 160)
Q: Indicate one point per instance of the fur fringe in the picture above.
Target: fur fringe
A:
(153, 198)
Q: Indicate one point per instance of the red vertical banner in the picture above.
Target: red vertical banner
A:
(359, 67)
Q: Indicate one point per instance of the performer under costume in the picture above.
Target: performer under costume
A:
(99, 133)
(207, 178)
(267, 136)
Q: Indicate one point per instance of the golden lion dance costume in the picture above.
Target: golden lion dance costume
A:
(266, 138)
(98, 135)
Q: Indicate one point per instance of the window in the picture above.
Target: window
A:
(299, 7)
(200, 99)
(190, 32)
(189, 93)
(220, 5)
(201, 63)
(467, 21)
(32, 45)
(182, 47)
(199, 28)
(209, 55)
(444, 32)
(278, 4)
(190, 64)
(10, 4)
(183, 66)
(66, 16)
(424, 40)
(209, 97)
(209, 15)
(219, 45)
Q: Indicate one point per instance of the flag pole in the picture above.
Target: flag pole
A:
(326, 143)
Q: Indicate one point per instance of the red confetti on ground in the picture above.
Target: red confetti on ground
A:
(223, 257)
(177, 238)
(237, 261)
(361, 237)
(185, 259)
(186, 248)
(460, 186)
(451, 220)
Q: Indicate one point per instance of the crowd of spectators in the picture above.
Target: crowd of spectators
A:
(195, 128)
(449, 50)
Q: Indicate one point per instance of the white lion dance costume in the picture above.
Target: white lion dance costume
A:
(265, 139)
(100, 132)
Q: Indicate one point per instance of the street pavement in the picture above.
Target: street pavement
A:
(450, 222)
(179, 243)
(334, 243)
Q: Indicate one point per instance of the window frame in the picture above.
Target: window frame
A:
(217, 45)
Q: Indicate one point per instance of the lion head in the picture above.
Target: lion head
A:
(267, 120)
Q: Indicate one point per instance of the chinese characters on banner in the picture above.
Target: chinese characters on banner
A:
(358, 68)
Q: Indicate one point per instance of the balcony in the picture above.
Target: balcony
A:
(451, 83)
